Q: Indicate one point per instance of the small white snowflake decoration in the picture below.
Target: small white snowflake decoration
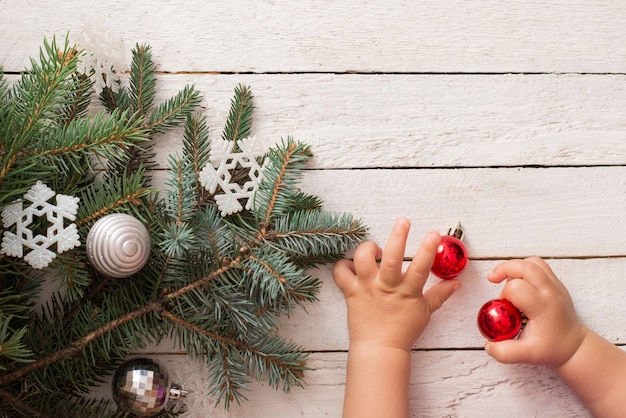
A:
(223, 162)
(65, 238)
(98, 61)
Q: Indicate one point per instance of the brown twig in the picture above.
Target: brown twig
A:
(200, 330)
(77, 347)
(18, 404)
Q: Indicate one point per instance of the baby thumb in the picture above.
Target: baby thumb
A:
(507, 351)
(440, 292)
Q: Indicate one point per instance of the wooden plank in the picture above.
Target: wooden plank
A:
(443, 384)
(372, 121)
(327, 36)
(426, 121)
(516, 212)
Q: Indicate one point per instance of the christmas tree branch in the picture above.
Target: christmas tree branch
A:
(8, 165)
(96, 290)
(199, 330)
(142, 78)
(77, 347)
(204, 280)
(118, 139)
(269, 269)
(239, 121)
(20, 405)
(132, 198)
(196, 146)
(277, 186)
(174, 110)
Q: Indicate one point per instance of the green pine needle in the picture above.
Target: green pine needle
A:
(239, 120)
(11, 343)
(142, 79)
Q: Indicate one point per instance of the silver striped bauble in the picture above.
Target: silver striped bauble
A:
(118, 245)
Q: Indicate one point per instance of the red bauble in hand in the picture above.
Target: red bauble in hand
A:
(499, 320)
(451, 258)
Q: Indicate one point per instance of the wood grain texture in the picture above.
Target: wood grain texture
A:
(422, 121)
(516, 212)
(451, 383)
(349, 36)
(426, 121)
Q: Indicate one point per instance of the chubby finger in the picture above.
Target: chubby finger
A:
(543, 265)
(344, 274)
(526, 270)
(419, 269)
(393, 254)
(365, 256)
(440, 292)
(526, 297)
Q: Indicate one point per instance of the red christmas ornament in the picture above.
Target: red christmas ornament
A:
(451, 256)
(499, 320)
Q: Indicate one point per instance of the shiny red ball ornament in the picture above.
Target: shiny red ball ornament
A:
(499, 320)
(451, 258)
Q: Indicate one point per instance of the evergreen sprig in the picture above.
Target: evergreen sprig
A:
(217, 286)
(12, 346)
(239, 120)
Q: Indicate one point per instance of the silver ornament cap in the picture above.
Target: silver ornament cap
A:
(141, 387)
(118, 245)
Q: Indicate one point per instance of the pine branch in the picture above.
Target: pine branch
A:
(11, 343)
(114, 193)
(196, 145)
(199, 330)
(227, 377)
(81, 97)
(239, 120)
(19, 404)
(142, 79)
(34, 104)
(180, 200)
(274, 281)
(312, 233)
(279, 362)
(77, 347)
(73, 274)
(43, 93)
(106, 134)
(282, 174)
(175, 110)
(112, 100)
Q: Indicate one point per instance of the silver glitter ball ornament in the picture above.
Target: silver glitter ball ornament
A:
(118, 245)
(141, 387)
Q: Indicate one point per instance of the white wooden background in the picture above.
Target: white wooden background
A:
(507, 115)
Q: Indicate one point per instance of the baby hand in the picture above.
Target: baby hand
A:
(553, 332)
(386, 306)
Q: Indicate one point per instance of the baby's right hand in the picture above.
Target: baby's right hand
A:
(553, 332)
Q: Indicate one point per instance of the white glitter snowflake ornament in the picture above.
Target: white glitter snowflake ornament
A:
(99, 60)
(65, 238)
(223, 162)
